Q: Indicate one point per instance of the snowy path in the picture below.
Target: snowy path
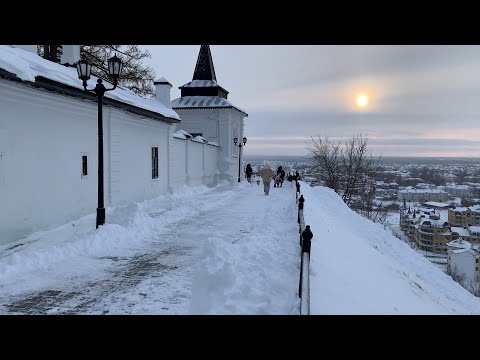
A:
(146, 258)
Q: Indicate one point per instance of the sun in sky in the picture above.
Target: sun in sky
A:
(362, 100)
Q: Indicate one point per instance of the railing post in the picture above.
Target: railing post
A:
(301, 275)
(301, 200)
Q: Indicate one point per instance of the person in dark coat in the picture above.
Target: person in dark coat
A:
(248, 172)
(307, 236)
(281, 173)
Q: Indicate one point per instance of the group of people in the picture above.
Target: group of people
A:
(267, 175)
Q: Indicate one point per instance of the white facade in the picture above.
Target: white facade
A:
(465, 261)
(49, 127)
(43, 137)
(462, 191)
(195, 163)
(218, 125)
(416, 195)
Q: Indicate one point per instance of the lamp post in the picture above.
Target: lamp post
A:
(84, 69)
(235, 140)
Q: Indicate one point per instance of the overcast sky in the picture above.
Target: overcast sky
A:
(422, 100)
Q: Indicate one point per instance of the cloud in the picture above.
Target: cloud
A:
(418, 93)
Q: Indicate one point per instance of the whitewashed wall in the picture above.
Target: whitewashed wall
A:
(129, 148)
(210, 164)
(464, 263)
(195, 163)
(43, 136)
(220, 126)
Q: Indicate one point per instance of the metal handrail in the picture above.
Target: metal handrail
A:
(304, 281)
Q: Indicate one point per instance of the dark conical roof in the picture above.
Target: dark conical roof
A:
(204, 81)
(204, 69)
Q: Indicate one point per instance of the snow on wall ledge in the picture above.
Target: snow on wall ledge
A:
(27, 66)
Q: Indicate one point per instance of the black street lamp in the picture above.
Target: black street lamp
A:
(235, 140)
(114, 68)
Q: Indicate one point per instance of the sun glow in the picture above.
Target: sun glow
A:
(362, 100)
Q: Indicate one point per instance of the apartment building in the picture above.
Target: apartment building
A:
(464, 216)
(422, 195)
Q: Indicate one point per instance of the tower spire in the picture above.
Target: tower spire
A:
(204, 69)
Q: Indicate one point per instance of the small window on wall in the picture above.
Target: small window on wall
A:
(154, 162)
(84, 165)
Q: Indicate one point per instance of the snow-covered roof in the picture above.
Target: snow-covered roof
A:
(162, 80)
(203, 102)
(458, 186)
(434, 222)
(468, 251)
(200, 83)
(28, 66)
(459, 243)
(181, 134)
(421, 191)
(201, 139)
(470, 208)
(460, 230)
(437, 204)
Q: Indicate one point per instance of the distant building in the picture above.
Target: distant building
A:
(422, 195)
(464, 216)
(461, 191)
(437, 205)
(463, 258)
(205, 110)
(427, 229)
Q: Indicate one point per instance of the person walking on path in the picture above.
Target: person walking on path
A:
(281, 174)
(266, 173)
(248, 172)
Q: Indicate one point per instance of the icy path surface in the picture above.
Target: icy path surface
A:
(222, 250)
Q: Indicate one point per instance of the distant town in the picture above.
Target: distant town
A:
(432, 204)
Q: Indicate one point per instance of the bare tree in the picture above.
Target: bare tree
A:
(474, 288)
(357, 166)
(327, 157)
(456, 275)
(135, 76)
(350, 170)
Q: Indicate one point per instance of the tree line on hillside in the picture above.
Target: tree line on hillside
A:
(349, 168)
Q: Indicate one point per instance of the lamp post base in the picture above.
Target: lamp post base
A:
(238, 179)
(100, 216)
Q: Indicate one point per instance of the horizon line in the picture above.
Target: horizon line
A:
(389, 156)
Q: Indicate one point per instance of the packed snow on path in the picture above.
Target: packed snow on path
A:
(222, 250)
